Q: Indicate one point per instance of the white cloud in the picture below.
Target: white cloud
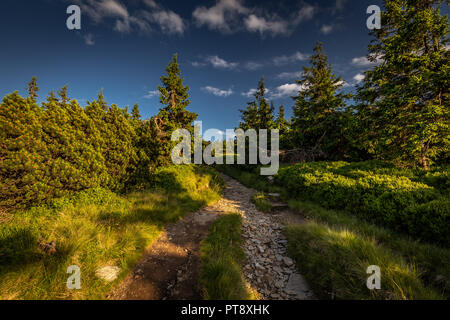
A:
(251, 93)
(217, 134)
(306, 13)
(216, 62)
(252, 66)
(229, 16)
(169, 21)
(263, 25)
(220, 16)
(364, 62)
(218, 92)
(89, 39)
(326, 29)
(99, 10)
(359, 77)
(290, 75)
(220, 63)
(286, 90)
(339, 5)
(151, 94)
(283, 60)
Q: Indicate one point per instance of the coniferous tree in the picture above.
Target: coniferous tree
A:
(405, 112)
(265, 111)
(258, 113)
(174, 95)
(284, 127)
(281, 123)
(22, 152)
(135, 114)
(33, 89)
(63, 95)
(319, 117)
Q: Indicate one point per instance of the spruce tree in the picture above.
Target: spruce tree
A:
(404, 106)
(281, 123)
(135, 114)
(259, 113)
(318, 112)
(174, 95)
(33, 88)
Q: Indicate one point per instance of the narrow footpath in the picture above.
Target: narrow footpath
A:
(170, 267)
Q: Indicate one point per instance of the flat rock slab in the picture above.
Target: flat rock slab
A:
(108, 273)
(297, 286)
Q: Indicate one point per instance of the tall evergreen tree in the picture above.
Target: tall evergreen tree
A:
(281, 123)
(319, 108)
(404, 110)
(33, 89)
(135, 114)
(258, 113)
(174, 95)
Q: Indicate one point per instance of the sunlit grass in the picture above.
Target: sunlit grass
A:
(261, 202)
(335, 249)
(222, 257)
(93, 229)
(431, 260)
(335, 261)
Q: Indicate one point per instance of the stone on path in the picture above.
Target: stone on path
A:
(297, 286)
(108, 273)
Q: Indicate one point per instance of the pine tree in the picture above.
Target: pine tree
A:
(33, 88)
(265, 111)
(281, 123)
(135, 115)
(174, 95)
(258, 113)
(318, 111)
(22, 153)
(63, 95)
(404, 112)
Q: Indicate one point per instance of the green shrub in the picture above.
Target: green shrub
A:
(385, 198)
(430, 219)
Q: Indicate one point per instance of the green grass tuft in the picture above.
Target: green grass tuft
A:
(222, 257)
(261, 202)
(335, 260)
(93, 229)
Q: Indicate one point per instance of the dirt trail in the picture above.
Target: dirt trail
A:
(170, 267)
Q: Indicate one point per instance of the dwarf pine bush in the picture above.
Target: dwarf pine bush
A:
(398, 198)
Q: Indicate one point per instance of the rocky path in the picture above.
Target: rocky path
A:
(268, 269)
(169, 269)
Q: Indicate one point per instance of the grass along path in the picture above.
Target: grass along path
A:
(268, 269)
(334, 249)
(94, 229)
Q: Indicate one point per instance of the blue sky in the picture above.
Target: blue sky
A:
(224, 48)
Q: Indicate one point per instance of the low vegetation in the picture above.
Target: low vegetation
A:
(222, 257)
(424, 264)
(334, 249)
(411, 201)
(261, 202)
(92, 229)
